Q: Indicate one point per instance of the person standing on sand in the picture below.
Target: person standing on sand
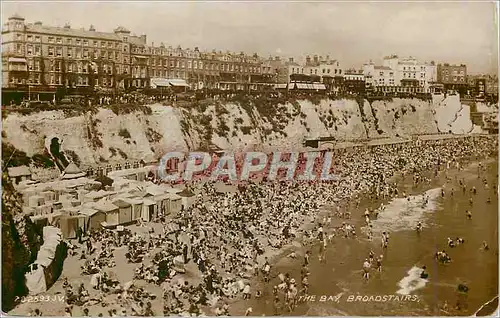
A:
(306, 258)
(379, 263)
(366, 269)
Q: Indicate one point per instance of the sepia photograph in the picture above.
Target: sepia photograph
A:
(250, 158)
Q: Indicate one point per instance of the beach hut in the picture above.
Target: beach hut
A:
(187, 197)
(137, 207)
(93, 218)
(110, 210)
(125, 214)
(174, 203)
(149, 209)
(69, 226)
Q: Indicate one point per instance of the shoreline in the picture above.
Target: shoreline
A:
(280, 258)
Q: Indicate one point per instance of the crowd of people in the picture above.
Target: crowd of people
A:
(230, 237)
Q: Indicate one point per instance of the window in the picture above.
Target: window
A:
(70, 52)
(52, 78)
(51, 51)
(78, 42)
(103, 44)
(85, 53)
(37, 38)
(381, 74)
(404, 68)
(125, 39)
(328, 71)
(324, 71)
(391, 74)
(29, 38)
(190, 64)
(51, 39)
(200, 64)
(195, 64)
(95, 43)
(59, 40)
(29, 50)
(85, 42)
(110, 45)
(30, 65)
(37, 65)
(69, 41)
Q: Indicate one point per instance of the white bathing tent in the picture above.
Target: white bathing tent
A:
(111, 211)
(35, 277)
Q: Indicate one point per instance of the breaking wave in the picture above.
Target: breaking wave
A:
(411, 282)
(401, 214)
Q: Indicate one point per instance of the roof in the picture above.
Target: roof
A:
(186, 193)
(148, 202)
(16, 16)
(166, 82)
(105, 206)
(19, 171)
(72, 168)
(73, 32)
(88, 211)
(121, 29)
(383, 68)
(121, 203)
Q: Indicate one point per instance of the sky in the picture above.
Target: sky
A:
(351, 32)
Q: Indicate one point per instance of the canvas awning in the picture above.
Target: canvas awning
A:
(280, 86)
(302, 86)
(17, 60)
(319, 86)
(178, 82)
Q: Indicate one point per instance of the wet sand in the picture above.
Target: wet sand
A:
(342, 272)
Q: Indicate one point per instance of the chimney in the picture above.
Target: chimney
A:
(328, 58)
(38, 23)
(67, 26)
(315, 59)
(91, 28)
(320, 58)
(276, 58)
(291, 60)
(143, 38)
(308, 60)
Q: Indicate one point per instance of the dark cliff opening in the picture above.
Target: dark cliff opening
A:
(55, 151)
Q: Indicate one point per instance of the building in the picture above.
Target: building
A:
(43, 60)
(453, 77)
(40, 62)
(354, 82)
(400, 75)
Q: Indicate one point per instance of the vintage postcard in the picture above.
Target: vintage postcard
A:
(249, 158)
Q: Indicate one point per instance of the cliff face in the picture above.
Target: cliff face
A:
(103, 136)
(20, 245)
